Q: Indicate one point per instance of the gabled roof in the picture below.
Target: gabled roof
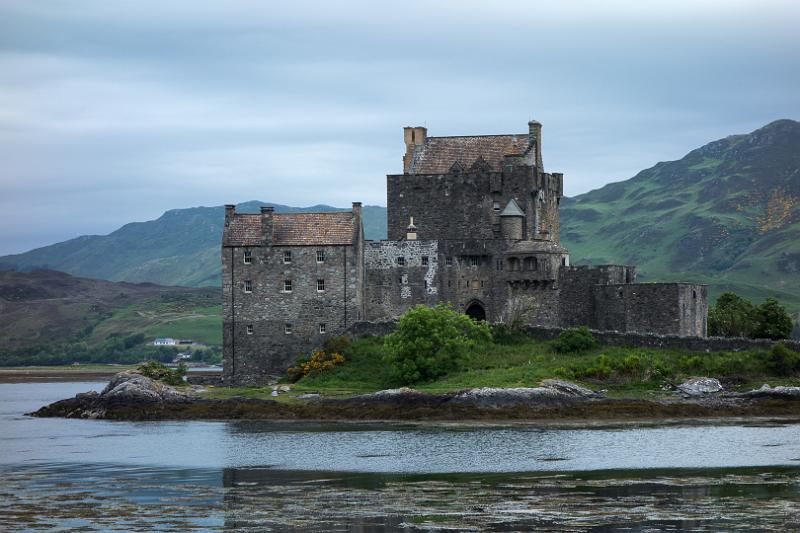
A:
(512, 210)
(294, 229)
(438, 154)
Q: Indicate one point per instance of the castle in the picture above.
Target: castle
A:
(473, 221)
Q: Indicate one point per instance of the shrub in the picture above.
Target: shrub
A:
(320, 361)
(600, 369)
(336, 344)
(690, 363)
(575, 340)
(160, 372)
(429, 342)
(782, 360)
(772, 321)
(631, 365)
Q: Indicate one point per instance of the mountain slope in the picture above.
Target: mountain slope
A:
(727, 214)
(179, 248)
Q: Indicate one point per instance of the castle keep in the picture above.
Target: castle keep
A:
(473, 221)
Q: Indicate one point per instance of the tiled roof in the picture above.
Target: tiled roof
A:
(438, 154)
(294, 229)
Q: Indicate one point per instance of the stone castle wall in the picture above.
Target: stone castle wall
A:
(265, 330)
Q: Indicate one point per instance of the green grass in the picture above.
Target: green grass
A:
(622, 372)
(158, 319)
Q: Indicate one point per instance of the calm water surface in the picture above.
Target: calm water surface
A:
(68, 475)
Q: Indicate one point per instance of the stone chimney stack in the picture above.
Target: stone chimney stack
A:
(535, 136)
(411, 231)
(357, 215)
(412, 137)
(267, 223)
(230, 211)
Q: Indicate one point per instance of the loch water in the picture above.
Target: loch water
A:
(241, 476)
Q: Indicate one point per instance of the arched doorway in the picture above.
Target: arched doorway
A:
(476, 312)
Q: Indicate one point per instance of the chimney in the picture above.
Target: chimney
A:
(357, 216)
(412, 137)
(267, 223)
(535, 137)
(230, 211)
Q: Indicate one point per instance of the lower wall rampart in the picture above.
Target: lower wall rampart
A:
(615, 338)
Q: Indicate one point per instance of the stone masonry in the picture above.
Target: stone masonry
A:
(473, 221)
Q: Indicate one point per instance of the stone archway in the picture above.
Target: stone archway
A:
(476, 311)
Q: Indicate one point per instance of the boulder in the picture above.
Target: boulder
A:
(779, 393)
(549, 391)
(133, 387)
(700, 386)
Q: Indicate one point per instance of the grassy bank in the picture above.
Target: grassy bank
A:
(524, 362)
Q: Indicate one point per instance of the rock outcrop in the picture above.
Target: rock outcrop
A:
(700, 386)
(129, 388)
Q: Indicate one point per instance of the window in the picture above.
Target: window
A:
(474, 260)
(248, 285)
(563, 261)
(448, 261)
(287, 257)
(499, 264)
(401, 261)
(496, 206)
(320, 285)
(287, 328)
(287, 285)
(323, 328)
(248, 257)
(424, 260)
(320, 256)
(249, 329)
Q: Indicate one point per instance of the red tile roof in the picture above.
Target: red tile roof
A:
(294, 229)
(437, 154)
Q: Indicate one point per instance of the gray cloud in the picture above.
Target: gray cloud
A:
(117, 111)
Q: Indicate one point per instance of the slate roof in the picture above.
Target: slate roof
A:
(512, 210)
(294, 229)
(438, 154)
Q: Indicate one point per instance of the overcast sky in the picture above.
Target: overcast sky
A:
(114, 111)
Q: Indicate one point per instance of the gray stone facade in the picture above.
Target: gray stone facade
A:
(472, 222)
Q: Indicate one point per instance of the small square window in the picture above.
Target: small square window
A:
(287, 257)
(320, 285)
(249, 329)
(287, 328)
(401, 261)
(248, 257)
(320, 256)
(323, 328)
(448, 261)
(248, 285)
(474, 260)
(287, 285)
(424, 260)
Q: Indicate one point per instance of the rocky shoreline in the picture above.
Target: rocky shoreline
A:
(132, 396)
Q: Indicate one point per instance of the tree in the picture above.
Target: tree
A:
(772, 321)
(733, 316)
(430, 341)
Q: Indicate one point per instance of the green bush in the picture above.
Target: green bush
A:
(429, 342)
(772, 321)
(160, 372)
(575, 340)
(732, 316)
(782, 360)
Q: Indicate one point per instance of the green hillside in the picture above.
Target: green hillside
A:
(726, 214)
(47, 315)
(182, 247)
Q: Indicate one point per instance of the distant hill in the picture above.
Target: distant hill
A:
(45, 307)
(727, 214)
(182, 247)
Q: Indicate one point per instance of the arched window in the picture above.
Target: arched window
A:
(513, 264)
